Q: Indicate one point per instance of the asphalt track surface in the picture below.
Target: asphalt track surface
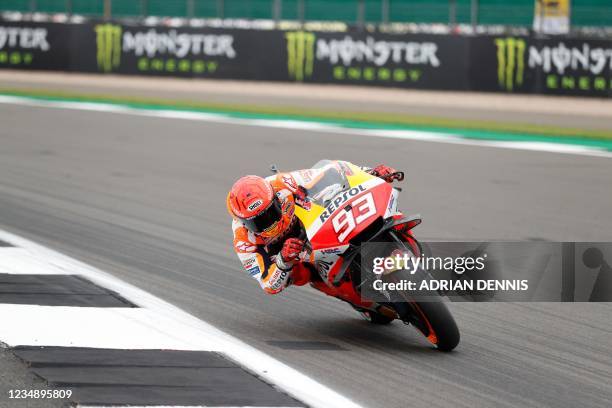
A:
(144, 199)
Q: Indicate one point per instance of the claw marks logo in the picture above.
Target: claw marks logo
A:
(108, 46)
(510, 62)
(300, 54)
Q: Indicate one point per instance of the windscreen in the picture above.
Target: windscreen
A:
(328, 179)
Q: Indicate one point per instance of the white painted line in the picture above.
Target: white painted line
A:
(422, 136)
(549, 147)
(15, 260)
(116, 328)
(29, 325)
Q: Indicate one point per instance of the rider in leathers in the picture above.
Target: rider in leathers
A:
(268, 238)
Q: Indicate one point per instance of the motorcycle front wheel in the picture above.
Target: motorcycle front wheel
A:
(433, 320)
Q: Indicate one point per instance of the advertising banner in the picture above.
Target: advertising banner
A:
(511, 64)
(561, 66)
(415, 61)
(35, 46)
(184, 52)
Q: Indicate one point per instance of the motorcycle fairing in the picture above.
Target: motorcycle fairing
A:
(314, 218)
(337, 191)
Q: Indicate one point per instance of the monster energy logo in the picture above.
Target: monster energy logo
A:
(108, 43)
(300, 54)
(510, 62)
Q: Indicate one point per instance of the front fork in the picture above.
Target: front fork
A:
(346, 291)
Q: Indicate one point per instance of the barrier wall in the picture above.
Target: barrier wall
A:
(567, 66)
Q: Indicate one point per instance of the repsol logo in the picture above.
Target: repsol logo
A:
(279, 279)
(339, 200)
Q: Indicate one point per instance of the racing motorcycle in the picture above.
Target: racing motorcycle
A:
(342, 208)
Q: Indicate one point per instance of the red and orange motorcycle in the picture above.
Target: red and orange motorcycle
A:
(344, 209)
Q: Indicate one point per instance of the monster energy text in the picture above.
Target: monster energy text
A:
(584, 67)
(180, 45)
(113, 41)
(18, 43)
(356, 59)
(561, 58)
(377, 52)
(24, 38)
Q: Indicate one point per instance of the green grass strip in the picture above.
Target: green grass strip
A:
(480, 130)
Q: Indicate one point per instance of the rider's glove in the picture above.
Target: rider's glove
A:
(386, 173)
(290, 253)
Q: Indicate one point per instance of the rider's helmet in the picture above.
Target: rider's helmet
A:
(253, 202)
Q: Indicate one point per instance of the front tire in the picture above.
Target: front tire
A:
(434, 321)
(431, 318)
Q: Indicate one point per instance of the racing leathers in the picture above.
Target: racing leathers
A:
(261, 259)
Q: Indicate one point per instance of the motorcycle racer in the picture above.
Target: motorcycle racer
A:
(268, 238)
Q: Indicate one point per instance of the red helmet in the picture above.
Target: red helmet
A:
(253, 202)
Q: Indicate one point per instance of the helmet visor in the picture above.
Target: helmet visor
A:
(266, 219)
